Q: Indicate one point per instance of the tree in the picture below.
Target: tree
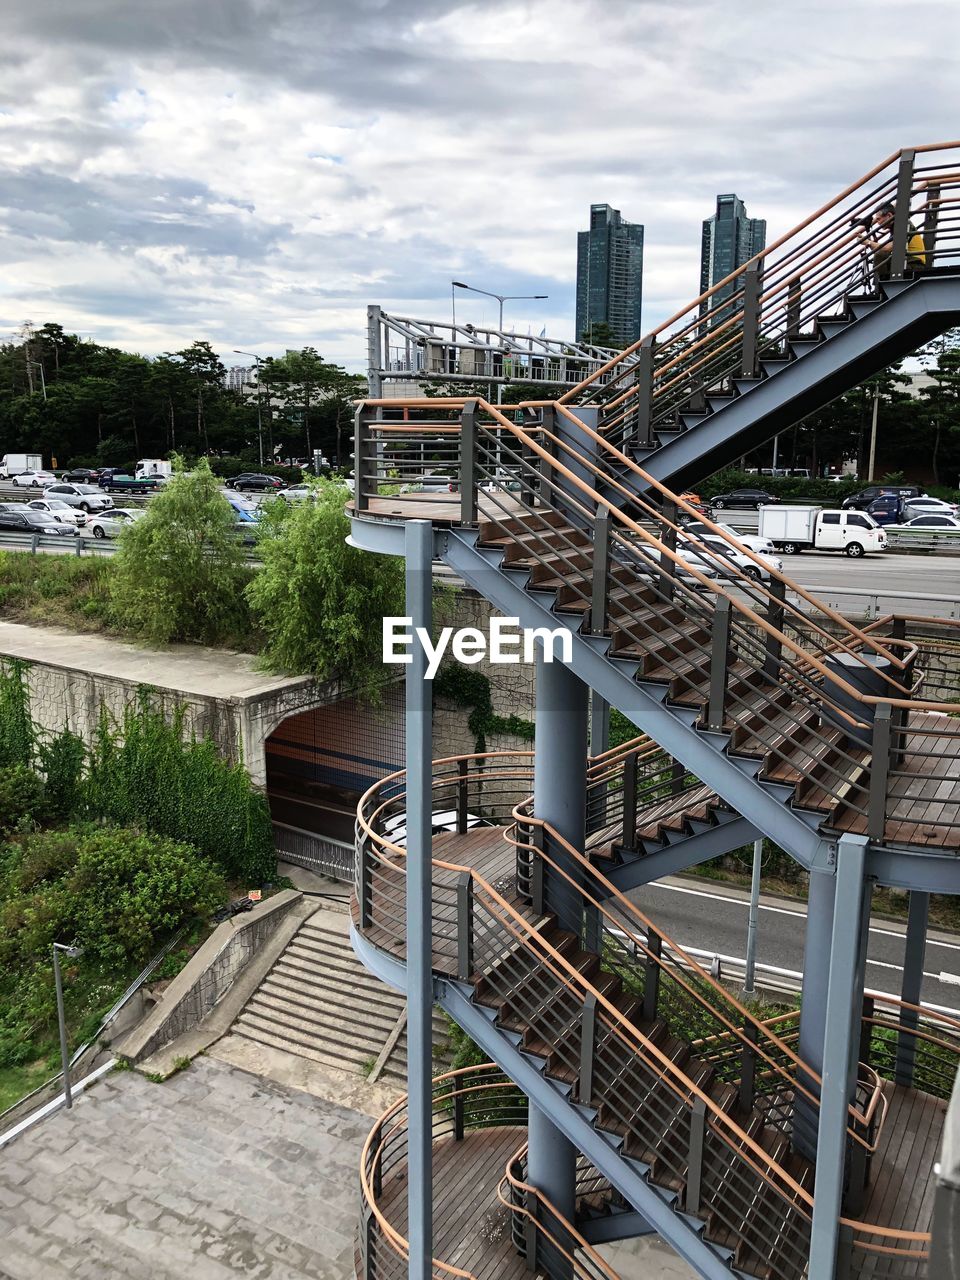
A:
(941, 359)
(320, 602)
(317, 398)
(601, 335)
(207, 373)
(179, 570)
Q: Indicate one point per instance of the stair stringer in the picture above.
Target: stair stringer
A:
(657, 1205)
(893, 328)
(688, 851)
(702, 754)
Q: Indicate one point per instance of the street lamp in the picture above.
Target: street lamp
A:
(238, 352)
(73, 952)
(500, 297)
(42, 379)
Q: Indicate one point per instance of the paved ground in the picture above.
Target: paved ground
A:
(214, 1174)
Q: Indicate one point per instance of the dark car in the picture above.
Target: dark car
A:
(861, 501)
(35, 522)
(742, 498)
(82, 475)
(254, 482)
(886, 509)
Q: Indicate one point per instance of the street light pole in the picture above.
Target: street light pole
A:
(37, 364)
(500, 297)
(61, 1019)
(259, 398)
(749, 985)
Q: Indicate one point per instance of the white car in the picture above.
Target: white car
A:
(296, 492)
(85, 496)
(913, 507)
(111, 523)
(937, 521)
(395, 828)
(763, 546)
(650, 554)
(34, 479)
(62, 512)
(728, 562)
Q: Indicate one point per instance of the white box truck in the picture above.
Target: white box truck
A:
(15, 464)
(795, 528)
(153, 467)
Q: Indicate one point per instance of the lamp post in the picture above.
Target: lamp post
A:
(43, 382)
(61, 1020)
(237, 352)
(500, 297)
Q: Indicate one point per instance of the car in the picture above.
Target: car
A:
(82, 475)
(110, 524)
(296, 492)
(60, 511)
(395, 828)
(933, 522)
(254, 482)
(689, 561)
(24, 521)
(123, 481)
(886, 509)
(34, 479)
(861, 501)
(85, 496)
(728, 562)
(432, 484)
(763, 546)
(744, 498)
(927, 507)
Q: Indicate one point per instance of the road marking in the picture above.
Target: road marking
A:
(953, 978)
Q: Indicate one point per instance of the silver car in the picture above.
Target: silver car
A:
(60, 511)
(85, 496)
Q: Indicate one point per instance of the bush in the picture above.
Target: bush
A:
(63, 761)
(180, 572)
(22, 797)
(319, 601)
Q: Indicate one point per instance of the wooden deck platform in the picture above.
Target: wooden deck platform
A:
(471, 1228)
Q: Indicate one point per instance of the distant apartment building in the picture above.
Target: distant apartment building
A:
(610, 275)
(729, 240)
(242, 378)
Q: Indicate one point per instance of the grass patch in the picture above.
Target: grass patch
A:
(16, 1082)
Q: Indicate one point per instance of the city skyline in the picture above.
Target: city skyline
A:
(609, 276)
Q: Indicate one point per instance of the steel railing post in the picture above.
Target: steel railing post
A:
(458, 1117)
(531, 1230)
(901, 215)
(628, 833)
(678, 775)
(588, 1040)
(866, 1031)
(931, 217)
(698, 1127)
(644, 396)
(464, 926)
(361, 436)
(368, 1249)
(651, 981)
(668, 568)
(748, 1067)
(775, 616)
(468, 463)
(794, 303)
(365, 886)
(601, 570)
(462, 814)
(536, 872)
(719, 662)
(879, 771)
(751, 320)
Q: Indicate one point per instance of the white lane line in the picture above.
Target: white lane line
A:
(785, 911)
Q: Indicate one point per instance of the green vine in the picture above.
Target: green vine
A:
(468, 687)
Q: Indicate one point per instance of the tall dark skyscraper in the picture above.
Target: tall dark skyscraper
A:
(610, 274)
(729, 240)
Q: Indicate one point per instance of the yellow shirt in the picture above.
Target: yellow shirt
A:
(916, 249)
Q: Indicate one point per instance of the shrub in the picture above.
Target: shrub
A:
(179, 572)
(21, 797)
(63, 761)
(17, 735)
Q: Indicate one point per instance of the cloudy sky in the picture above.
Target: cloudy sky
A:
(254, 172)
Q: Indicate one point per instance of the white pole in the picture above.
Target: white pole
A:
(748, 987)
(873, 433)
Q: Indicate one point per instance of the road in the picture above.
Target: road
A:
(712, 919)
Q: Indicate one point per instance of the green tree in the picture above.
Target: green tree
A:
(941, 401)
(601, 335)
(179, 569)
(320, 602)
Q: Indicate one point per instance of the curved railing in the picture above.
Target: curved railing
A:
(482, 933)
(466, 1103)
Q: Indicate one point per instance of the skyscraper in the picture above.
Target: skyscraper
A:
(610, 274)
(729, 240)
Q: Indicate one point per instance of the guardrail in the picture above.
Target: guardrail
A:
(80, 545)
(322, 854)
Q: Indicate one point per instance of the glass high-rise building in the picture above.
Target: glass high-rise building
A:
(610, 275)
(729, 240)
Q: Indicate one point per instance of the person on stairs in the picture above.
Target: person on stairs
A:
(881, 244)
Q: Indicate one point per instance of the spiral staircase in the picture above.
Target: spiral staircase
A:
(762, 710)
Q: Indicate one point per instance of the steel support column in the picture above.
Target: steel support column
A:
(840, 1013)
(419, 753)
(813, 1003)
(560, 772)
(913, 957)
(552, 1169)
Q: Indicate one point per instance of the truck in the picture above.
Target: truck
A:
(153, 467)
(115, 481)
(795, 528)
(14, 464)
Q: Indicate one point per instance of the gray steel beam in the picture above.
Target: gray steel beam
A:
(614, 1226)
(841, 1011)
(552, 1169)
(676, 857)
(419, 882)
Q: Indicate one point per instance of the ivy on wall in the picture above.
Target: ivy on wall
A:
(468, 687)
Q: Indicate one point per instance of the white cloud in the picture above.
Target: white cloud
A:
(255, 172)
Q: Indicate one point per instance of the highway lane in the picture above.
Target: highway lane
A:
(712, 919)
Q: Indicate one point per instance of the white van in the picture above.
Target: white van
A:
(793, 528)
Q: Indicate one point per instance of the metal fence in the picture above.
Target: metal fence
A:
(321, 854)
